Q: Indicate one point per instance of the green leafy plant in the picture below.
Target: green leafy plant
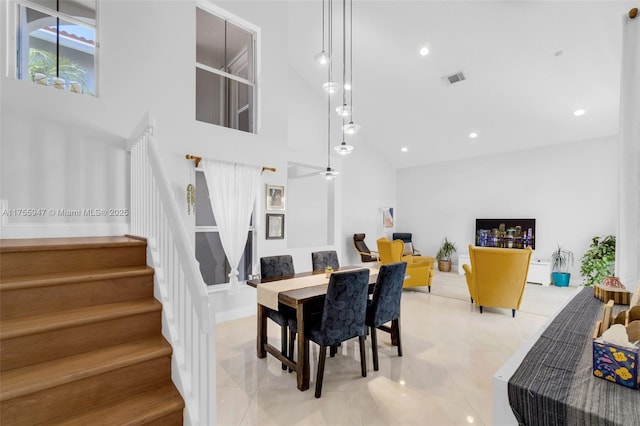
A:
(598, 260)
(446, 250)
(561, 259)
(44, 62)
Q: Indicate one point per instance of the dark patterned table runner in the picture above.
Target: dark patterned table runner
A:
(554, 384)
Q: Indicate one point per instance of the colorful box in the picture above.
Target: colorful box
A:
(615, 363)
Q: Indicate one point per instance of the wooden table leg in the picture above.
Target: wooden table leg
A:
(302, 362)
(261, 338)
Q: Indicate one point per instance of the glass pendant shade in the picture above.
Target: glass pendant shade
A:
(330, 87)
(322, 57)
(343, 148)
(351, 128)
(329, 173)
(344, 110)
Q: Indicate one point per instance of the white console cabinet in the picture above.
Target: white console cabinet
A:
(539, 270)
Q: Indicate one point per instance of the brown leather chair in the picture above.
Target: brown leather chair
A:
(366, 255)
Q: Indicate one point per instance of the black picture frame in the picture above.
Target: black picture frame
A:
(275, 226)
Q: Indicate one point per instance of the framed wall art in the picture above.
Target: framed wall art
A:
(275, 226)
(387, 217)
(275, 197)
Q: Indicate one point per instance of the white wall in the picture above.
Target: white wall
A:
(570, 189)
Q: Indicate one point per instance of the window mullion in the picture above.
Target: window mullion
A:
(224, 74)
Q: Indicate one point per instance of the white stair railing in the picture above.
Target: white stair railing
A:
(188, 319)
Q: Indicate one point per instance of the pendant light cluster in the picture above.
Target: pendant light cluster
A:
(325, 57)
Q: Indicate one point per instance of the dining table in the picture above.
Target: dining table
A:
(304, 292)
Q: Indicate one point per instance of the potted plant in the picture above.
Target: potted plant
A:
(561, 261)
(597, 262)
(444, 255)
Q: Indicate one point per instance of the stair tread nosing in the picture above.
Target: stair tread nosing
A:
(70, 243)
(59, 278)
(133, 409)
(25, 380)
(22, 326)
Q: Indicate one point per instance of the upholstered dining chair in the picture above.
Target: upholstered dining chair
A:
(321, 259)
(384, 306)
(273, 267)
(497, 276)
(343, 317)
(419, 268)
(363, 251)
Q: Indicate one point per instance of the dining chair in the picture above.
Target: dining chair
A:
(343, 318)
(384, 306)
(320, 260)
(273, 267)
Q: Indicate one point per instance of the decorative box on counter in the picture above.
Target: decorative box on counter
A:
(616, 363)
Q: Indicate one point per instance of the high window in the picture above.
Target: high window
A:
(56, 44)
(214, 265)
(225, 72)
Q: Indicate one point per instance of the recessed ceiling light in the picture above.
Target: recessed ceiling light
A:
(579, 112)
(473, 135)
(424, 51)
(404, 149)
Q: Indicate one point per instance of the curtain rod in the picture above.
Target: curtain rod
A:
(197, 160)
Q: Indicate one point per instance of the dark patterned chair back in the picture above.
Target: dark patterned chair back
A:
(361, 247)
(404, 236)
(321, 259)
(345, 308)
(385, 304)
(276, 266)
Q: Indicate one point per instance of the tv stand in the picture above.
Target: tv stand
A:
(539, 270)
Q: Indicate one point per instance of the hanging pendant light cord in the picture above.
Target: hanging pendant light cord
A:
(351, 55)
(329, 37)
(323, 25)
(344, 50)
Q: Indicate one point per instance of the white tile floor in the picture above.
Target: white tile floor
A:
(451, 352)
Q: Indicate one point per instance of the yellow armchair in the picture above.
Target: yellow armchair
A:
(419, 268)
(497, 276)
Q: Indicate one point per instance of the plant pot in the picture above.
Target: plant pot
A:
(561, 279)
(444, 265)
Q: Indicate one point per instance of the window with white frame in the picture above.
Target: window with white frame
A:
(56, 43)
(214, 265)
(225, 72)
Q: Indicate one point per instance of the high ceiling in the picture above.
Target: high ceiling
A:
(528, 66)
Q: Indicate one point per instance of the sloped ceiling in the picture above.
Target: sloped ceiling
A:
(528, 65)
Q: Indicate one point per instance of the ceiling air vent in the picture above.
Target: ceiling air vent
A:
(453, 78)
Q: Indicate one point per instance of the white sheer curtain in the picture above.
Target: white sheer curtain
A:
(628, 235)
(232, 191)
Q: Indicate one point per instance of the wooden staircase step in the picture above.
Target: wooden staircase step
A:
(36, 294)
(161, 405)
(53, 255)
(57, 388)
(39, 338)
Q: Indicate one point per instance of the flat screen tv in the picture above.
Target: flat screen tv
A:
(506, 233)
